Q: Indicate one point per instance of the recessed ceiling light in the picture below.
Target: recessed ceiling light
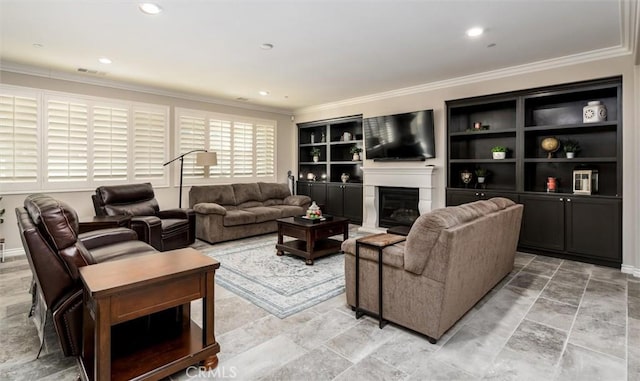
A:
(150, 8)
(104, 60)
(266, 46)
(263, 93)
(475, 32)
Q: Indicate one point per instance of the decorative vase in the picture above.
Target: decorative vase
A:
(481, 179)
(344, 177)
(346, 136)
(552, 185)
(570, 155)
(466, 177)
(594, 112)
(314, 211)
(313, 138)
(316, 159)
(356, 157)
(499, 155)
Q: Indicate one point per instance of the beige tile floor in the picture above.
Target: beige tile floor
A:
(548, 320)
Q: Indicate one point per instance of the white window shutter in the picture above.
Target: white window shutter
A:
(192, 136)
(242, 149)
(66, 149)
(18, 139)
(220, 143)
(149, 147)
(110, 143)
(265, 150)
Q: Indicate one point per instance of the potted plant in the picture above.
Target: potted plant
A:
(355, 151)
(481, 175)
(315, 152)
(499, 152)
(570, 147)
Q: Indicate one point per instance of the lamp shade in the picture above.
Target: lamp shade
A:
(206, 159)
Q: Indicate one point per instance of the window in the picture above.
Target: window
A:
(19, 143)
(82, 142)
(245, 148)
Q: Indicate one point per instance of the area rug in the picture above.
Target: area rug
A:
(282, 285)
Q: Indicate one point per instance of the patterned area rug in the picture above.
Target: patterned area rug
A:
(281, 285)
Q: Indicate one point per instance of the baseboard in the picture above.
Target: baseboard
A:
(14, 254)
(635, 271)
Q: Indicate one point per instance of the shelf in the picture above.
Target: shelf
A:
(562, 194)
(581, 126)
(482, 132)
(313, 144)
(577, 160)
(492, 161)
(344, 143)
(347, 162)
(313, 163)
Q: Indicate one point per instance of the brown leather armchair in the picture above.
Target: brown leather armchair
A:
(55, 250)
(163, 229)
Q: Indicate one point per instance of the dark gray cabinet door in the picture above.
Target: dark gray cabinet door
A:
(543, 222)
(457, 197)
(353, 202)
(317, 191)
(593, 227)
(335, 198)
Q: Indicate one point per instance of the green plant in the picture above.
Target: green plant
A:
(570, 146)
(315, 151)
(499, 149)
(482, 172)
(355, 149)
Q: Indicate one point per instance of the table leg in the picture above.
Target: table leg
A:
(280, 241)
(102, 342)
(208, 337)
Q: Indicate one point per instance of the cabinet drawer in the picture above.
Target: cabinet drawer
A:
(155, 297)
(329, 231)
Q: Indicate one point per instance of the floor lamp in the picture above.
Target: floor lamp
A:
(203, 158)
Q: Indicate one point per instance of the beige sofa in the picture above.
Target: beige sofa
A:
(451, 258)
(226, 212)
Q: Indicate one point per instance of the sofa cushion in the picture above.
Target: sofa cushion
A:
(246, 192)
(250, 204)
(219, 194)
(264, 213)
(238, 217)
(298, 200)
(172, 225)
(289, 210)
(274, 191)
(272, 202)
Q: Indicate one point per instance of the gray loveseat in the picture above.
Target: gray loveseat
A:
(226, 212)
(451, 258)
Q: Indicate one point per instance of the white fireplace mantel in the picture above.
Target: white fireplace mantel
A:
(404, 177)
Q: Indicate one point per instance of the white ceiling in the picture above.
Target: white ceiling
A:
(325, 51)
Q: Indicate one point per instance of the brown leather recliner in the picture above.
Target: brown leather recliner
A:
(55, 250)
(163, 229)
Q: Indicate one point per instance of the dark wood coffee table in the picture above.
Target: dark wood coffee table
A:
(313, 238)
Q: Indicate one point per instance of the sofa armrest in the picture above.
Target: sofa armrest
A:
(102, 237)
(149, 230)
(297, 200)
(182, 214)
(210, 208)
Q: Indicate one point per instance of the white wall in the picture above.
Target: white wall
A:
(168, 196)
(435, 99)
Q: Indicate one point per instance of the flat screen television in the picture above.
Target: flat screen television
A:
(406, 136)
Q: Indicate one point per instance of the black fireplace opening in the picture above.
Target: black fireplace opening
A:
(397, 206)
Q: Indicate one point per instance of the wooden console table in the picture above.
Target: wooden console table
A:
(119, 291)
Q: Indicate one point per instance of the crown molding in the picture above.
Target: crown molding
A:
(479, 77)
(13, 67)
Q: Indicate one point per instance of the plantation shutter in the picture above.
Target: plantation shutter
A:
(192, 136)
(242, 149)
(18, 139)
(220, 143)
(66, 149)
(148, 144)
(265, 150)
(110, 143)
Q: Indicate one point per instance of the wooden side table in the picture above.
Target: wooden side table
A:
(123, 290)
(87, 224)
(379, 241)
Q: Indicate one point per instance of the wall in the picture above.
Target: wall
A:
(167, 196)
(435, 99)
